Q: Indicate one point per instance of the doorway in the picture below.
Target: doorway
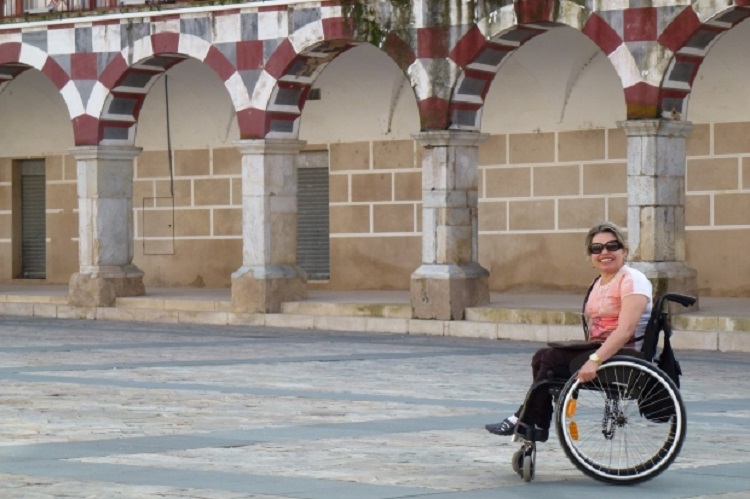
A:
(33, 220)
(313, 249)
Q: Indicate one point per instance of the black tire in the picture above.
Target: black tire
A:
(517, 462)
(624, 427)
(528, 470)
(529, 463)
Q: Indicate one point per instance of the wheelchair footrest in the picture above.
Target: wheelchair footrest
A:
(528, 433)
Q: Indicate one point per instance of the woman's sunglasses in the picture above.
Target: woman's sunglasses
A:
(612, 246)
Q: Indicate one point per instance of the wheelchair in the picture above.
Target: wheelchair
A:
(625, 426)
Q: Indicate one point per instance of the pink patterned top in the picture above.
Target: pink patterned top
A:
(605, 301)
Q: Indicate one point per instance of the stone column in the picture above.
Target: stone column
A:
(450, 279)
(105, 227)
(656, 203)
(269, 274)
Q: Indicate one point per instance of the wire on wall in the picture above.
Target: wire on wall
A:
(158, 227)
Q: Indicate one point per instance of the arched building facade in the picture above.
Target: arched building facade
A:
(449, 148)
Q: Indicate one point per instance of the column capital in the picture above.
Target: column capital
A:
(105, 152)
(438, 138)
(270, 146)
(653, 128)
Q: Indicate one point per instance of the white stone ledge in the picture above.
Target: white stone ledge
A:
(708, 340)
(427, 327)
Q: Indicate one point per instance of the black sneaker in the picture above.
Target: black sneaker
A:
(504, 428)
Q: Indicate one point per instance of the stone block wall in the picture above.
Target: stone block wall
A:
(552, 181)
(375, 218)
(62, 218)
(717, 210)
(718, 176)
(199, 243)
(538, 194)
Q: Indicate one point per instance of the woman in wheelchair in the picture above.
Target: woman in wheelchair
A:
(617, 309)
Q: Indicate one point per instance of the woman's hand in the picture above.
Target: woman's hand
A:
(588, 371)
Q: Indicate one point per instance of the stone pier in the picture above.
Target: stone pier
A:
(269, 274)
(105, 227)
(450, 278)
(656, 203)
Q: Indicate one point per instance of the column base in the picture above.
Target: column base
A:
(101, 288)
(671, 277)
(444, 292)
(264, 289)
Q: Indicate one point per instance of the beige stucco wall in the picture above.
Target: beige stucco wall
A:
(538, 193)
(375, 216)
(62, 218)
(199, 241)
(718, 207)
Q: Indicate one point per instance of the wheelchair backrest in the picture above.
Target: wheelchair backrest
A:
(659, 321)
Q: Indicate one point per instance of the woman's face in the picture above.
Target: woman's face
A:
(609, 261)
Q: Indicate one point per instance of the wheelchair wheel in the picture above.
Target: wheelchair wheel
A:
(517, 462)
(625, 426)
(529, 462)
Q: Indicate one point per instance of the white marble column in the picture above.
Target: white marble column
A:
(656, 203)
(105, 226)
(450, 278)
(269, 274)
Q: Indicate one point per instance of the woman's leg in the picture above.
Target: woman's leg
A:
(546, 362)
(539, 402)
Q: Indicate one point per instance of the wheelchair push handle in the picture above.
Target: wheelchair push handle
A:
(683, 300)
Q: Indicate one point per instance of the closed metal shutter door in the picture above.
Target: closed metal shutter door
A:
(33, 220)
(312, 223)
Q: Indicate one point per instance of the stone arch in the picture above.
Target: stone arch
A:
(560, 81)
(481, 51)
(285, 81)
(640, 43)
(692, 41)
(116, 100)
(480, 69)
(17, 57)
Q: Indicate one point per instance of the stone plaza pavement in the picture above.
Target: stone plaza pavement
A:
(107, 409)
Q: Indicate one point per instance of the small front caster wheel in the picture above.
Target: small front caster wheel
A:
(529, 458)
(517, 461)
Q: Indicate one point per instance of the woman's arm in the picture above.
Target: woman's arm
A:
(632, 308)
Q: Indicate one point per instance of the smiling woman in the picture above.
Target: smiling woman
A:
(620, 300)
(617, 312)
